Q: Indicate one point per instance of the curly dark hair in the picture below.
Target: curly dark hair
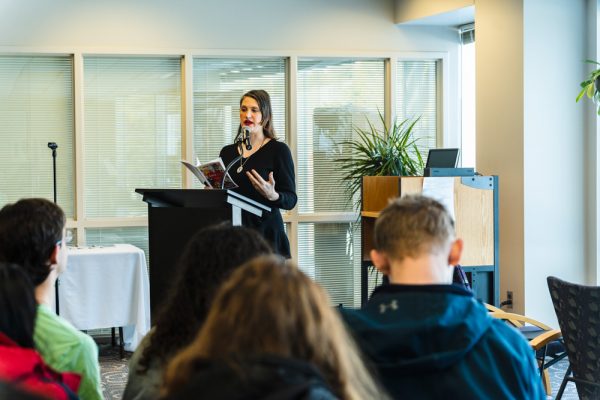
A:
(17, 305)
(29, 232)
(208, 259)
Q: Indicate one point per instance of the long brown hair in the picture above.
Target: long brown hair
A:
(208, 259)
(269, 306)
(264, 103)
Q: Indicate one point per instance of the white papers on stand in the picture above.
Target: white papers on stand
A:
(442, 190)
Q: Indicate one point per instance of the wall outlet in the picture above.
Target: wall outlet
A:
(509, 299)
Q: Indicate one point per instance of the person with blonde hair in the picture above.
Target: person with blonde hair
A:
(428, 338)
(270, 332)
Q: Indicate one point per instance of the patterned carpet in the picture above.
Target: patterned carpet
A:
(114, 374)
(113, 371)
(557, 373)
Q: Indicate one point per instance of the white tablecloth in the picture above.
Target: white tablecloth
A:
(105, 287)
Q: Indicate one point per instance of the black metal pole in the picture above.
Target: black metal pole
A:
(53, 146)
(54, 172)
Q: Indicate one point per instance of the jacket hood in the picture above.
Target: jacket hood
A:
(265, 377)
(409, 329)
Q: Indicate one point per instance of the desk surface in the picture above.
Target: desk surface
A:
(105, 287)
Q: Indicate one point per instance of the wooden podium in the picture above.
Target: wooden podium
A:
(174, 216)
(476, 222)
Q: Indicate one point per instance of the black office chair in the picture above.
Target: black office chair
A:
(578, 311)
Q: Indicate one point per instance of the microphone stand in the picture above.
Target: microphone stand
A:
(245, 138)
(53, 146)
(231, 164)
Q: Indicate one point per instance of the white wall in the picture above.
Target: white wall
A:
(339, 25)
(409, 10)
(499, 127)
(555, 162)
(230, 27)
(532, 134)
(592, 129)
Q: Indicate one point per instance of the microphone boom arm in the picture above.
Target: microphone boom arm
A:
(231, 164)
(238, 158)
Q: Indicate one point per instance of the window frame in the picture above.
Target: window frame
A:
(448, 120)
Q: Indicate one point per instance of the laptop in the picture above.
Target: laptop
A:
(442, 158)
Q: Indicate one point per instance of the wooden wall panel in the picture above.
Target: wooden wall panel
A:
(473, 211)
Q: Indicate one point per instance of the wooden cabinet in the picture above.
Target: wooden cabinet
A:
(476, 220)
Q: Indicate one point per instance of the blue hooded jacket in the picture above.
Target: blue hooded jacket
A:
(438, 342)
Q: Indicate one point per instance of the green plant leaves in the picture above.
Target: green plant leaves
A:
(588, 87)
(391, 151)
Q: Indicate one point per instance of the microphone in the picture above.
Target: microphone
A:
(246, 138)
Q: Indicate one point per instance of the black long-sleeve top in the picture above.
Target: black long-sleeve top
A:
(273, 156)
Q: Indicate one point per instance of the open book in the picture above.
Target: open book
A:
(211, 173)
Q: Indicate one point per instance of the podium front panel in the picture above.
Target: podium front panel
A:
(174, 216)
(171, 229)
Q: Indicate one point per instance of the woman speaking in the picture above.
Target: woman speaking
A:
(266, 170)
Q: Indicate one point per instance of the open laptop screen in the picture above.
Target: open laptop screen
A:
(442, 158)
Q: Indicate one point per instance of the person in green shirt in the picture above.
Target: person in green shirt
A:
(32, 234)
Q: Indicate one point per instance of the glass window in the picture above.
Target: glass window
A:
(334, 96)
(36, 98)
(468, 104)
(416, 96)
(330, 254)
(132, 138)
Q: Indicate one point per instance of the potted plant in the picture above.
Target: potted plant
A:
(390, 151)
(591, 86)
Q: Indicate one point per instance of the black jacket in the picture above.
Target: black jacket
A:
(274, 157)
(267, 377)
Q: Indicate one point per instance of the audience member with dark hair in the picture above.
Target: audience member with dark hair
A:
(32, 235)
(271, 333)
(209, 258)
(17, 305)
(428, 338)
(20, 364)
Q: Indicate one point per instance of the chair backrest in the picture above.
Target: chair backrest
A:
(578, 311)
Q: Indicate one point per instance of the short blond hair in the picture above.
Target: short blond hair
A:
(413, 225)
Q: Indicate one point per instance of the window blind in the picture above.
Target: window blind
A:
(36, 98)
(219, 83)
(330, 254)
(416, 96)
(467, 33)
(334, 96)
(132, 123)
